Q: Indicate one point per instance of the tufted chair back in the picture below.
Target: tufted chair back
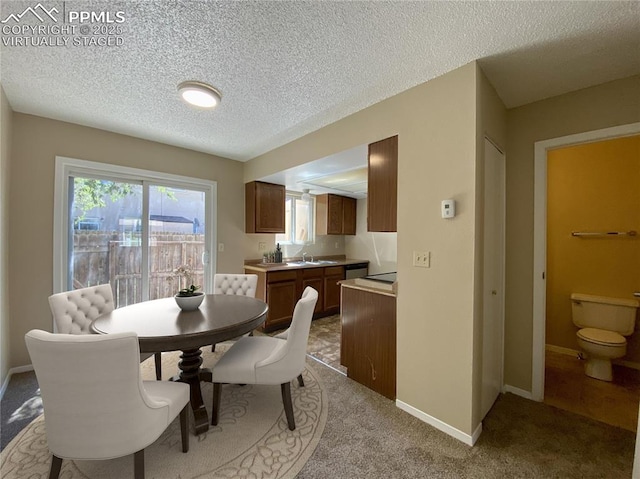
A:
(239, 284)
(73, 311)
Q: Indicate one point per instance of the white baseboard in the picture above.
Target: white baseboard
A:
(518, 392)
(19, 369)
(476, 434)
(441, 426)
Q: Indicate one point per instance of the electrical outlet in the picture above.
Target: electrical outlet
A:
(422, 259)
(337, 245)
(262, 246)
(220, 247)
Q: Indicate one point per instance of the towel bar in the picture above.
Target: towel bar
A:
(607, 233)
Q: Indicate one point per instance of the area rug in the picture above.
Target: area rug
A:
(251, 440)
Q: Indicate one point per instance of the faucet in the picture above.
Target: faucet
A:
(304, 257)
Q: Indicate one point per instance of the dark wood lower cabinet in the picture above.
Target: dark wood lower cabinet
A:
(281, 290)
(282, 301)
(332, 289)
(368, 342)
(314, 277)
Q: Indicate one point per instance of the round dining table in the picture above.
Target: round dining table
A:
(162, 326)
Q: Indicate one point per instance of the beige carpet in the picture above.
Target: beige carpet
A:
(251, 440)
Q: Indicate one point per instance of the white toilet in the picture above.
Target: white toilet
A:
(604, 323)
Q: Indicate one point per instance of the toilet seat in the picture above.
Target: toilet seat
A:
(601, 337)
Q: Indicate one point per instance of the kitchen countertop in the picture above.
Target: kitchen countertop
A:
(363, 284)
(297, 264)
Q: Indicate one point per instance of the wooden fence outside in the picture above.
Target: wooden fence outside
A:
(109, 257)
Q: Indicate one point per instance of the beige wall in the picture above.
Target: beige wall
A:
(35, 143)
(591, 187)
(436, 125)
(610, 104)
(380, 249)
(6, 121)
(437, 160)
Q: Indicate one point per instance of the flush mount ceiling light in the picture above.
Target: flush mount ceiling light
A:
(199, 94)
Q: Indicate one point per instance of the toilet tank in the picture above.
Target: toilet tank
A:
(611, 314)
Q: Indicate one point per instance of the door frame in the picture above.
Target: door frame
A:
(540, 238)
(66, 166)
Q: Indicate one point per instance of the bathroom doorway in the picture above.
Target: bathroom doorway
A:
(577, 178)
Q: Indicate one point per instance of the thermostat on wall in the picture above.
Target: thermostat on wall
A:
(448, 208)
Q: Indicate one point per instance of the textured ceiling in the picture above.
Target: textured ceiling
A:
(288, 68)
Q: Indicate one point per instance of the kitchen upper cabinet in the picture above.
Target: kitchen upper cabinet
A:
(335, 215)
(382, 196)
(264, 207)
(349, 206)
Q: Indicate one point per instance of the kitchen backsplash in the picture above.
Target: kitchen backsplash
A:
(380, 249)
(324, 246)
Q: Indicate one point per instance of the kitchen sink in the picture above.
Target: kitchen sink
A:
(312, 263)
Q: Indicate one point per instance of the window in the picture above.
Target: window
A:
(299, 223)
(131, 228)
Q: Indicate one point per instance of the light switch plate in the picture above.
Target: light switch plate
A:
(422, 259)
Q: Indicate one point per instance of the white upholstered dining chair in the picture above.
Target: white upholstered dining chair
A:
(267, 360)
(284, 335)
(96, 405)
(74, 311)
(237, 284)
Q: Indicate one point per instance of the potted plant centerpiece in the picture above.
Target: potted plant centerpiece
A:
(188, 298)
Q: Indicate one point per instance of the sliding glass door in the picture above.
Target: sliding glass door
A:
(105, 244)
(132, 229)
(176, 237)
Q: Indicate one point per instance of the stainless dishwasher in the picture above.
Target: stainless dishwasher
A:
(356, 270)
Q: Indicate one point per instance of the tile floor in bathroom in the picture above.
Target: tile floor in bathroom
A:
(567, 387)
